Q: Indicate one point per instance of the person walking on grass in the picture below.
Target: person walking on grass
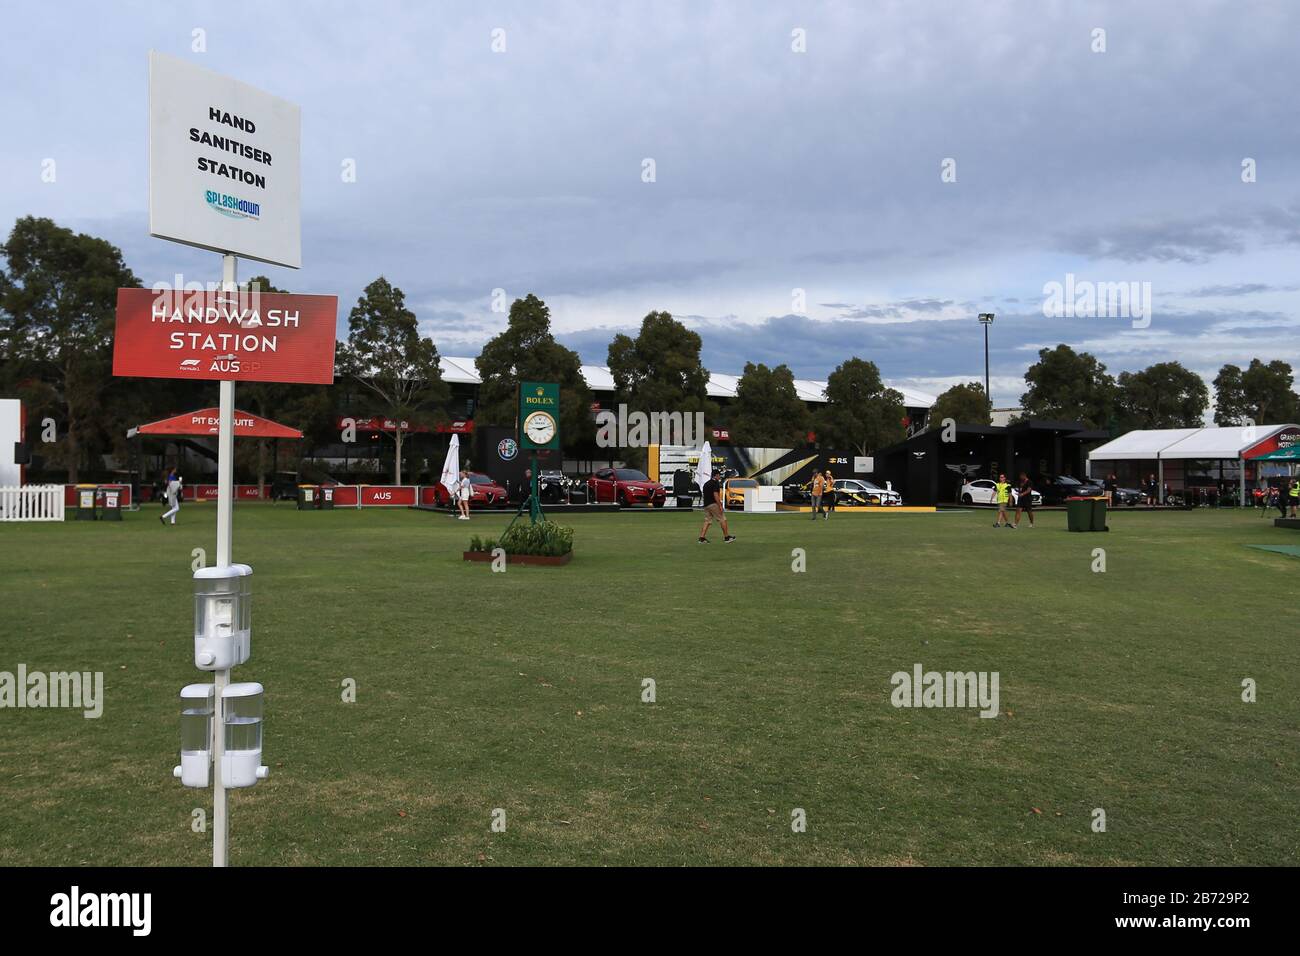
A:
(1002, 489)
(818, 486)
(1293, 492)
(173, 491)
(1025, 500)
(713, 511)
(828, 493)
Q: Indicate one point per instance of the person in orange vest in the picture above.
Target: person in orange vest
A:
(818, 486)
(828, 493)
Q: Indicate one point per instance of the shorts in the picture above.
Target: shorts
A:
(1026, 504)
(713, 511)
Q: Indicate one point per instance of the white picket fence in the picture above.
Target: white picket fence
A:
(32, 503)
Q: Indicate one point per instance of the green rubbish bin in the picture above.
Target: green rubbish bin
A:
(307, 497)
(1099, 515)
(1078, 514)
(86, 495)
(110, 499)
(326, 502)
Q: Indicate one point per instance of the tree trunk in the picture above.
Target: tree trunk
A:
(71, 452)
(397, 459)
(261, 468)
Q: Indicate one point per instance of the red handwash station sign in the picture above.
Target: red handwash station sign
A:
(234, 336)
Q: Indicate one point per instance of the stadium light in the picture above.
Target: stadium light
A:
(986, 319)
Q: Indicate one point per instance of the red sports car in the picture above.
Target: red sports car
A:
(625, 486)
(483, 492)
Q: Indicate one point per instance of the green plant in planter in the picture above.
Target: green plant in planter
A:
(545, 538)
(475, 544)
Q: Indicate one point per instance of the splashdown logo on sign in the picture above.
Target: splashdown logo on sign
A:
(239, 337)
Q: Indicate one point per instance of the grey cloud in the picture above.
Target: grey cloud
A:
(1240, 288)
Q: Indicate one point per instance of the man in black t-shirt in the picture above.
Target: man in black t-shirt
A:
(713, 510)
(1025, 500)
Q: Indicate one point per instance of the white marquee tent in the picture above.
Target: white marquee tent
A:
(1234, 443)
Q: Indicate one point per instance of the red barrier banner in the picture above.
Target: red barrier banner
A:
(345, 496)
(236, 336)
(387, 495)
(209, 493)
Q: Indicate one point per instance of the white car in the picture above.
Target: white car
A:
(983, 491)
(855, 491)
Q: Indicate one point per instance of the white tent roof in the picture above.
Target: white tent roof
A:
(598, 378)
(809, 390)
(1221, 442)
(463, 371)
(1140, 445)
(1185, 443)
(721, 385)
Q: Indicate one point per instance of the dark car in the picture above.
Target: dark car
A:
(1129, 497)
(1055, 489)
(554, 487)
(284, 485)
(484, 492)
(626, 487)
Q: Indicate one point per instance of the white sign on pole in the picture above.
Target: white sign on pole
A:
(863, 465)
(223, 164)
(11, 432)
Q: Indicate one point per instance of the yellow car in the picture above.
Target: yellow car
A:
(733, 491)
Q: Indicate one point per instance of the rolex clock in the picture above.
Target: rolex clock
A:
(539, 415)
(540, 428)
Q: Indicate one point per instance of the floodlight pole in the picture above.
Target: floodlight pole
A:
(986, 319)
(225, 534)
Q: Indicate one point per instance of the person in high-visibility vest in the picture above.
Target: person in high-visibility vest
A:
(1003, 489)
(818, 486)
(1294, 493)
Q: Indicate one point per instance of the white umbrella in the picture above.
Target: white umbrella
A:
(451, 467)
(704, 467)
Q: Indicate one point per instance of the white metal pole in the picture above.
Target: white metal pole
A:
(225, 533)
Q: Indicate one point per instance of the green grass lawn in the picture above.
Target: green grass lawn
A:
(523, 690)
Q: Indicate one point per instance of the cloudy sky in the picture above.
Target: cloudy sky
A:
(775, 170)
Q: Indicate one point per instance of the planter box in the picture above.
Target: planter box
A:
(544, 559)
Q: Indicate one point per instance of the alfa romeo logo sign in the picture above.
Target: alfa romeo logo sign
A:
(507, 448)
